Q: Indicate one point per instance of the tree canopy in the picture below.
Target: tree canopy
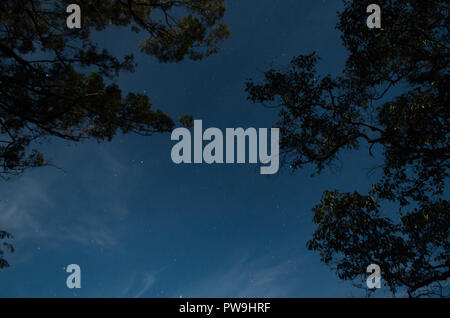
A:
(56, 82)
(392, 97)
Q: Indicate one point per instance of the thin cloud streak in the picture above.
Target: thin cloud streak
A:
(247, 277)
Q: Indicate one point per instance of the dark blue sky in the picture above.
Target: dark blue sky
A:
(141, 226)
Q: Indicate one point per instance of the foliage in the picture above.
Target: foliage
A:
(46, 90)
(56, 82)
(8, 246)
(392, 95)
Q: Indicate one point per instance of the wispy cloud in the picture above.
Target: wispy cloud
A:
(148, 282)
(249, 277)
(84, 206)
(139, 285)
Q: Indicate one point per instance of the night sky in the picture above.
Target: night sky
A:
(141, 226)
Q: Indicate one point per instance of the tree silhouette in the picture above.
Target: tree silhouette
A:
(6, 245)
(57, 82)
(393, 98)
